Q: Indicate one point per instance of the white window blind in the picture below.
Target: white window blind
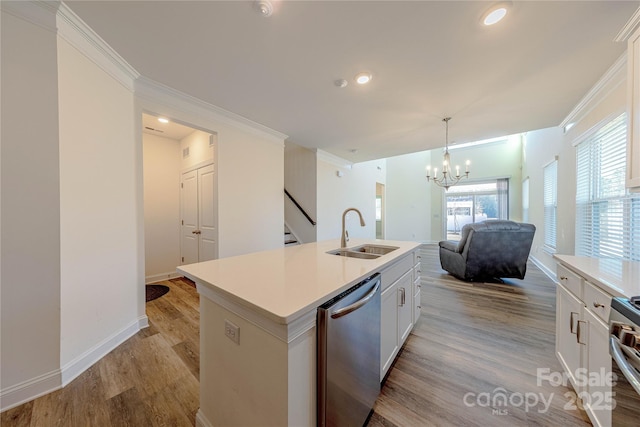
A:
(550, 177)
(607, 215)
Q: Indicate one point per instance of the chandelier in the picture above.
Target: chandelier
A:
(447, 179)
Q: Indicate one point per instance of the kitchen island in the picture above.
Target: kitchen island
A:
(258, 319)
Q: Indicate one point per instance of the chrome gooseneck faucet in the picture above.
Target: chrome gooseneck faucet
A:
(344, 238)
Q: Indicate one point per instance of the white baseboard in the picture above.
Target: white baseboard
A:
(160, 277)
(143, 322)
(544, 268)
(201, 420)
(83, 362)
(28, 390)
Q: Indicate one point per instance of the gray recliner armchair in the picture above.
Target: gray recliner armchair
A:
(489, 249)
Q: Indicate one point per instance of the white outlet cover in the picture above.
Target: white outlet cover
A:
(232, 331)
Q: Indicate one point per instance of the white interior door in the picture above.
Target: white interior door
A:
(189, 214)
(208, 244)
(198, 224)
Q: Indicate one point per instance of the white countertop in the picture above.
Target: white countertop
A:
(619, 278)
(284, 284)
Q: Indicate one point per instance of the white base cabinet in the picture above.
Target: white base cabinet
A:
(582, 344)
(400, 307)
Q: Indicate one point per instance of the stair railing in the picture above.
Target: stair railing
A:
(300, 208)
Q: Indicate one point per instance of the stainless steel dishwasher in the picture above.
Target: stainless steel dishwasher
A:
(348, 354)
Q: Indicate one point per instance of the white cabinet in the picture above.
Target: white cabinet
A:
(568, 349)
(633, 111)
(389, 342)
(598, 400)
(399, 308)
(405, 306)
(582, 311)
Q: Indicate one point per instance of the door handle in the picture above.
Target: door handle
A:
(403, 298)
(356, 305)
(571, 328)
(196, 232)
(578, 335)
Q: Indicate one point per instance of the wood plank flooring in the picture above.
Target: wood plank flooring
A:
(479, 341)
(149, 380)
(471, 338)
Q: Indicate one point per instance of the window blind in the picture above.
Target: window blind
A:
(550, 177)
(607, 215)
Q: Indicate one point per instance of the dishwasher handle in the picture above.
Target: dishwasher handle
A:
(356, 305)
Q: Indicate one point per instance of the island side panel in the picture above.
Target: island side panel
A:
(242, 384)
(260, 384)
(303, 380)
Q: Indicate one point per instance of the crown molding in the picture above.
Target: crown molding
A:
(333, 159)
(153, 91)
(79, 35)
(629, 27)
(39, 13)
(612, 78)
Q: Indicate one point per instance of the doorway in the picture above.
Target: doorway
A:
(379, 210)
(171, 150)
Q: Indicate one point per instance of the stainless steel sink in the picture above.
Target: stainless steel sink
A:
(352, 254)
(374, 249)
(364, 251)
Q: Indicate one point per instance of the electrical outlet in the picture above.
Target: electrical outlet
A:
(232, 331)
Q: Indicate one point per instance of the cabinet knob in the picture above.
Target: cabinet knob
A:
(597, 304)
(563, 278)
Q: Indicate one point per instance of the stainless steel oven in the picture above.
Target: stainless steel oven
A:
(624, 346)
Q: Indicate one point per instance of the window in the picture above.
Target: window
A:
(550, 177)
(525, 200)
(607, 215)
(469, 203)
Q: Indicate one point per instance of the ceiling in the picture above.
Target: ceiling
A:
(429, 60)
(172, 129)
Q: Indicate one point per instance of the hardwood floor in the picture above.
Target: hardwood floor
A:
(472, 343)
(471, 339)
(150, 380)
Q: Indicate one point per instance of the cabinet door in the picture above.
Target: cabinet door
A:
(598, 400)
(388, 328)
(568, 350)
(405, 306)
(633, 111)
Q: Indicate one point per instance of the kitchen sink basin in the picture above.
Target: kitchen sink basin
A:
(374, 249)
(352, 254)
(364, 251)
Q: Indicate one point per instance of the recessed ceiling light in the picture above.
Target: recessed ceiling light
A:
(495, 14)
(363, 78)
(163, 120)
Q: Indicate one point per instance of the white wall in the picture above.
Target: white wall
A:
(540, 148)
(408, 205)
(250, 187)
(300, 179)
(356, 188)
(488, 161)
(98, 215)
(30, 260)
(162, 159)
(200, 150)
(250, 166)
